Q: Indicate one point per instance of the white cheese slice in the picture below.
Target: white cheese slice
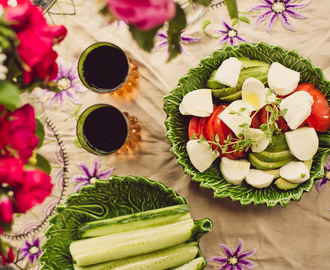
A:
(253, 94)
(228, 72)
(282, 79)
(234, 171)
(259, 136)
(236, 115)
(198, 102)
(258, 178)
(295, 172)
(302, 142)
(298, 106)
(200, 154)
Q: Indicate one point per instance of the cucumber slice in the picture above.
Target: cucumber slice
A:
(195, 264)
(132, 243)
(161, 259)
(144, 219)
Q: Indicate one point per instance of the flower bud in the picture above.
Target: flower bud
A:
(6, 208)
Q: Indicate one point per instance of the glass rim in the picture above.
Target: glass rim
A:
(80, 124)
(85, 52)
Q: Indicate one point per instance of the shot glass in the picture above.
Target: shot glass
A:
(103, 67)
(102, 129)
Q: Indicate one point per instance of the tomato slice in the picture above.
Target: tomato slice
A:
(264, 115)
(255, 123)
(319, 119)
(201, 126)
(193, 124)
(304, 87)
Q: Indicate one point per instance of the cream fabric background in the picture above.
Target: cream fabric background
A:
(292, 238)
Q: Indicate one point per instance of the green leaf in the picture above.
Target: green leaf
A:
(40, 133)
(205, 23)
(145, 39)
(43, 164)
(77, 109)
(176, 25)
(232, 8)
(204, 2)
(244, 19)
(234, 22)
(9, 95)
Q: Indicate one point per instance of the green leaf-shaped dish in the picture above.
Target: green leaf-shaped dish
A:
(177, 124)
(105, 199)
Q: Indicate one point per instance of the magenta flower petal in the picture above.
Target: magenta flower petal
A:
(159, 45)
(258, 7)
(261, 18)
(85, 169)
(247, 264)
(217, 259)
(226, 250)
(239, 247)
(79, 178)
(223, 40)
(270, 23)
(72, 96)
(286, 23)
(297, 6)
(106, 174)
(296, 15)
(248, 253)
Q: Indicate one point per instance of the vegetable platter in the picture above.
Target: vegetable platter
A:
(86, 215)
(284, 77)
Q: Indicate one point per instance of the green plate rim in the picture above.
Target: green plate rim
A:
(177, 124)
(56, 228)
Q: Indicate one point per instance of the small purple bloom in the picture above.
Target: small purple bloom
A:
(234, 260)
(229, 34)
(67, 81)
(164, 42)
(90, 176)
(326, 177)
(118, 23)
(31, 251)
(275, 9)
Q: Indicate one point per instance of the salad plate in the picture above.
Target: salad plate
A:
(177, 124)
(105, 199)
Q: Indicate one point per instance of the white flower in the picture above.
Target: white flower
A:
(3, 68)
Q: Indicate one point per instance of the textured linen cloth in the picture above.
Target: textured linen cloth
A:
(295, 237)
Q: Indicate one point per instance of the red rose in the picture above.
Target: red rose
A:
(4, 127)
(11, 172)
(37, 186)
(6, 209)
(36, 40)
(145, 14)
(7, 255)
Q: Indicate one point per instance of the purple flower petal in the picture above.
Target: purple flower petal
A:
(183, 50)
(242, 39)
(53, 99)
(286, 22)
(61, 100)
(79, 88)
(79, 178)
(159, 45)
(72, 70)
(186, 39)
(226, 25)
(321, 183)
(298, 6)
(295, 14)
(238, 267)
(231, 41)
(36, 242)
(78, 187)
(71, 94)
(85, 169)
(43, 93)
(248, 265)
(239, 247)
(96, 166)
(267, 2)
(219, 31)
(161, 35)
(61, 67)
(106, 174)
(258, 7)
(223, 40)
(217, 259)
(247, 253)
(226, 250)
(225, 267)
(261, 18)
(271, 22)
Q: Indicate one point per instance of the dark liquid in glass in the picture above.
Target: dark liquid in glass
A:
(105, 67)
(105, 129)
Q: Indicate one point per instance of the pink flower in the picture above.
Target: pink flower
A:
(144, 14)
(6, 254)
(11, 172)
(6, 209)
(22, 132)
(37, 186)
(36, 40)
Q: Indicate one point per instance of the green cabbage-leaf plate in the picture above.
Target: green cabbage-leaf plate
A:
(177, 124)
(106, 199)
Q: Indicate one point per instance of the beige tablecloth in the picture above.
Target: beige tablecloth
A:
(295, 237)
